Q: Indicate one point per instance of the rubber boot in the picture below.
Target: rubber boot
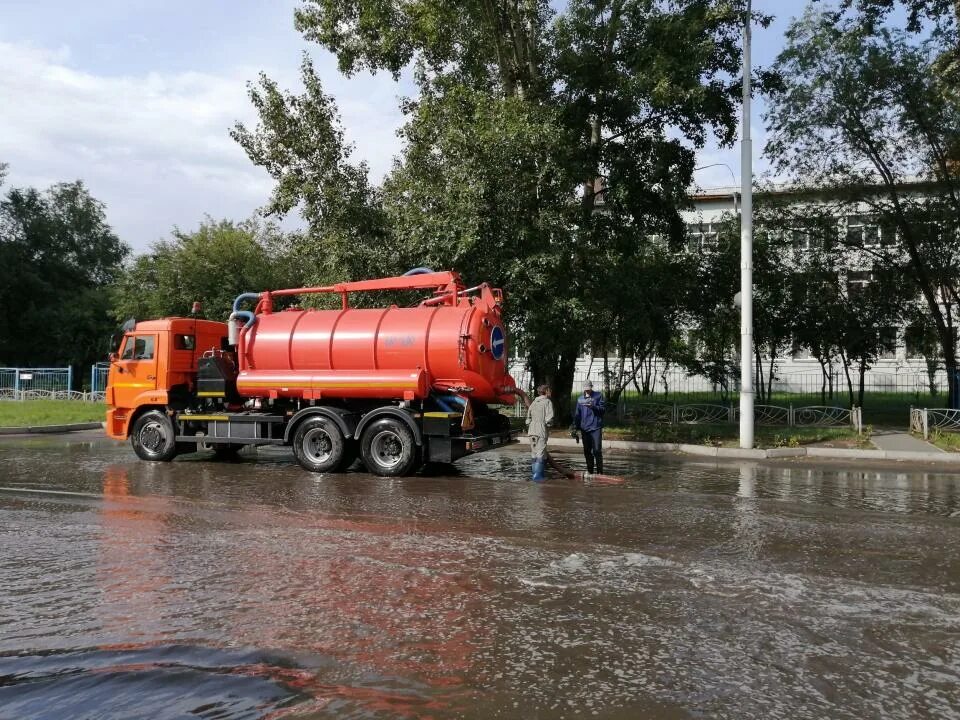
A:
(599, 464)
(539, 470)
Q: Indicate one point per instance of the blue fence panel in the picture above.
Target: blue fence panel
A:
(98, 377)
(43, 382)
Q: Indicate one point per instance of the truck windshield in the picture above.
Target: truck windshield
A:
(138, 347)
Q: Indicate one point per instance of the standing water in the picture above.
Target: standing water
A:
(197, 589)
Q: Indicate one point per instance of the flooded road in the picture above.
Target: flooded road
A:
(256, 590)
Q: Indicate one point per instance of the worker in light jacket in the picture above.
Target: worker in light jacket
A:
(539, 420)
(588, 421)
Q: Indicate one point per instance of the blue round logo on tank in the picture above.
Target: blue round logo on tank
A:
(497, 342)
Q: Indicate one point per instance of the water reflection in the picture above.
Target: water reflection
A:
(697, 589)
(747, 523)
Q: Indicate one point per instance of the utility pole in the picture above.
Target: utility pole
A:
(746, 252)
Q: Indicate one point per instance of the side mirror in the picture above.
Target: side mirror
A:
(112, 357)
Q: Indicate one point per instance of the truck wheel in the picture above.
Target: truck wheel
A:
(318, 445)
(153, 437)
(388, 448)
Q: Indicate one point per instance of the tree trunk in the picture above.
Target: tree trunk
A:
(823, 380)
(846, 371)
(758, 378)
(830, 377)
(773, 360)
(945, 336)
(931, 364)
(863, 373)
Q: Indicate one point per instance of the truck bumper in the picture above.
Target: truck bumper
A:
(449, 449)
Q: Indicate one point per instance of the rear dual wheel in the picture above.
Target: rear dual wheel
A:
(319, 446)
(388, 448)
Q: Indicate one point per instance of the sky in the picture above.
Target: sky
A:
(137, 97)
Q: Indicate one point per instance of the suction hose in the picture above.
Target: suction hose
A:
(238, 314)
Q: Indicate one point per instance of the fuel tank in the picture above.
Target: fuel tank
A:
(451, 342)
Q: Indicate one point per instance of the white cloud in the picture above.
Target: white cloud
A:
(155, 147)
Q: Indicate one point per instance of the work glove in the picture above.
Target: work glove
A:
(575, 433)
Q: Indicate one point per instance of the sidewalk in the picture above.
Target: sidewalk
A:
(36, 429)
(893, 453)
(901, 442)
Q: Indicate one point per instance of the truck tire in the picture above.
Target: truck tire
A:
(319, 445)
(388, 448)
(153, 437)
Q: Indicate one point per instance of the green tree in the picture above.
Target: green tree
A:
(212, 265)
(59, 257)
(864, 116)
(543, 151)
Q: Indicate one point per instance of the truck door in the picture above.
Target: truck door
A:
(136, 368)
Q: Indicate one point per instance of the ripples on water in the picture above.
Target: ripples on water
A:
(255, 590)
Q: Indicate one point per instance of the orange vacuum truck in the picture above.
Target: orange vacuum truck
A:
(396, 386)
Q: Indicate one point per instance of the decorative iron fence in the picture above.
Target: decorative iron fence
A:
(694, 413)
(50, 384)
(17, 381)
(84, 396)
(922, 420)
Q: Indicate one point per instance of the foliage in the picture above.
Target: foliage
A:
(58, 254)
(543, 151)
(212, 265)
(864, 117)
(942, 13)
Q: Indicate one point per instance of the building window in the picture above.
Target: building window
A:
(887, 341)
(916, 341)
(807, 236)
(702, 236)
(799, 352)
(862, 231)
(857, 281)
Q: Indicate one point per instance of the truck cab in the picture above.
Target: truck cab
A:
(155, 368)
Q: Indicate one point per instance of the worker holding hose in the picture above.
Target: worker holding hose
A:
(539, 419)
(588, 421)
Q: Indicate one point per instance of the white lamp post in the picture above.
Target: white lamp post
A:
(746, 252)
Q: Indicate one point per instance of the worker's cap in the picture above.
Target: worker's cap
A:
(588, 385)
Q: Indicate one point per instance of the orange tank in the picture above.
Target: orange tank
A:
(452, 342)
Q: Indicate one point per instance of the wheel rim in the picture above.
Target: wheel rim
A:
(152, 436)
(387, 448)
(317, 445)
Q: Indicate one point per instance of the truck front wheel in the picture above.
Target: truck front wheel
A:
(388, 448)
(318, 445)
(153, 437)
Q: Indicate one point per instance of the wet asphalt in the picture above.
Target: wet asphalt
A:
(257, 590)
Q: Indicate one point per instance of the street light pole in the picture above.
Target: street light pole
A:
(746, 252)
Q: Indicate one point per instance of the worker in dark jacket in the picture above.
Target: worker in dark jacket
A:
(588, 421)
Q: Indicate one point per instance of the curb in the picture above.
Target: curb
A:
(39, 429)
(772, 453)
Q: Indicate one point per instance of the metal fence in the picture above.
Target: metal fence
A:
(39, 379)
(888, 394)
(98, 377)
(691, 413)
(44, 383)
(923, 420)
